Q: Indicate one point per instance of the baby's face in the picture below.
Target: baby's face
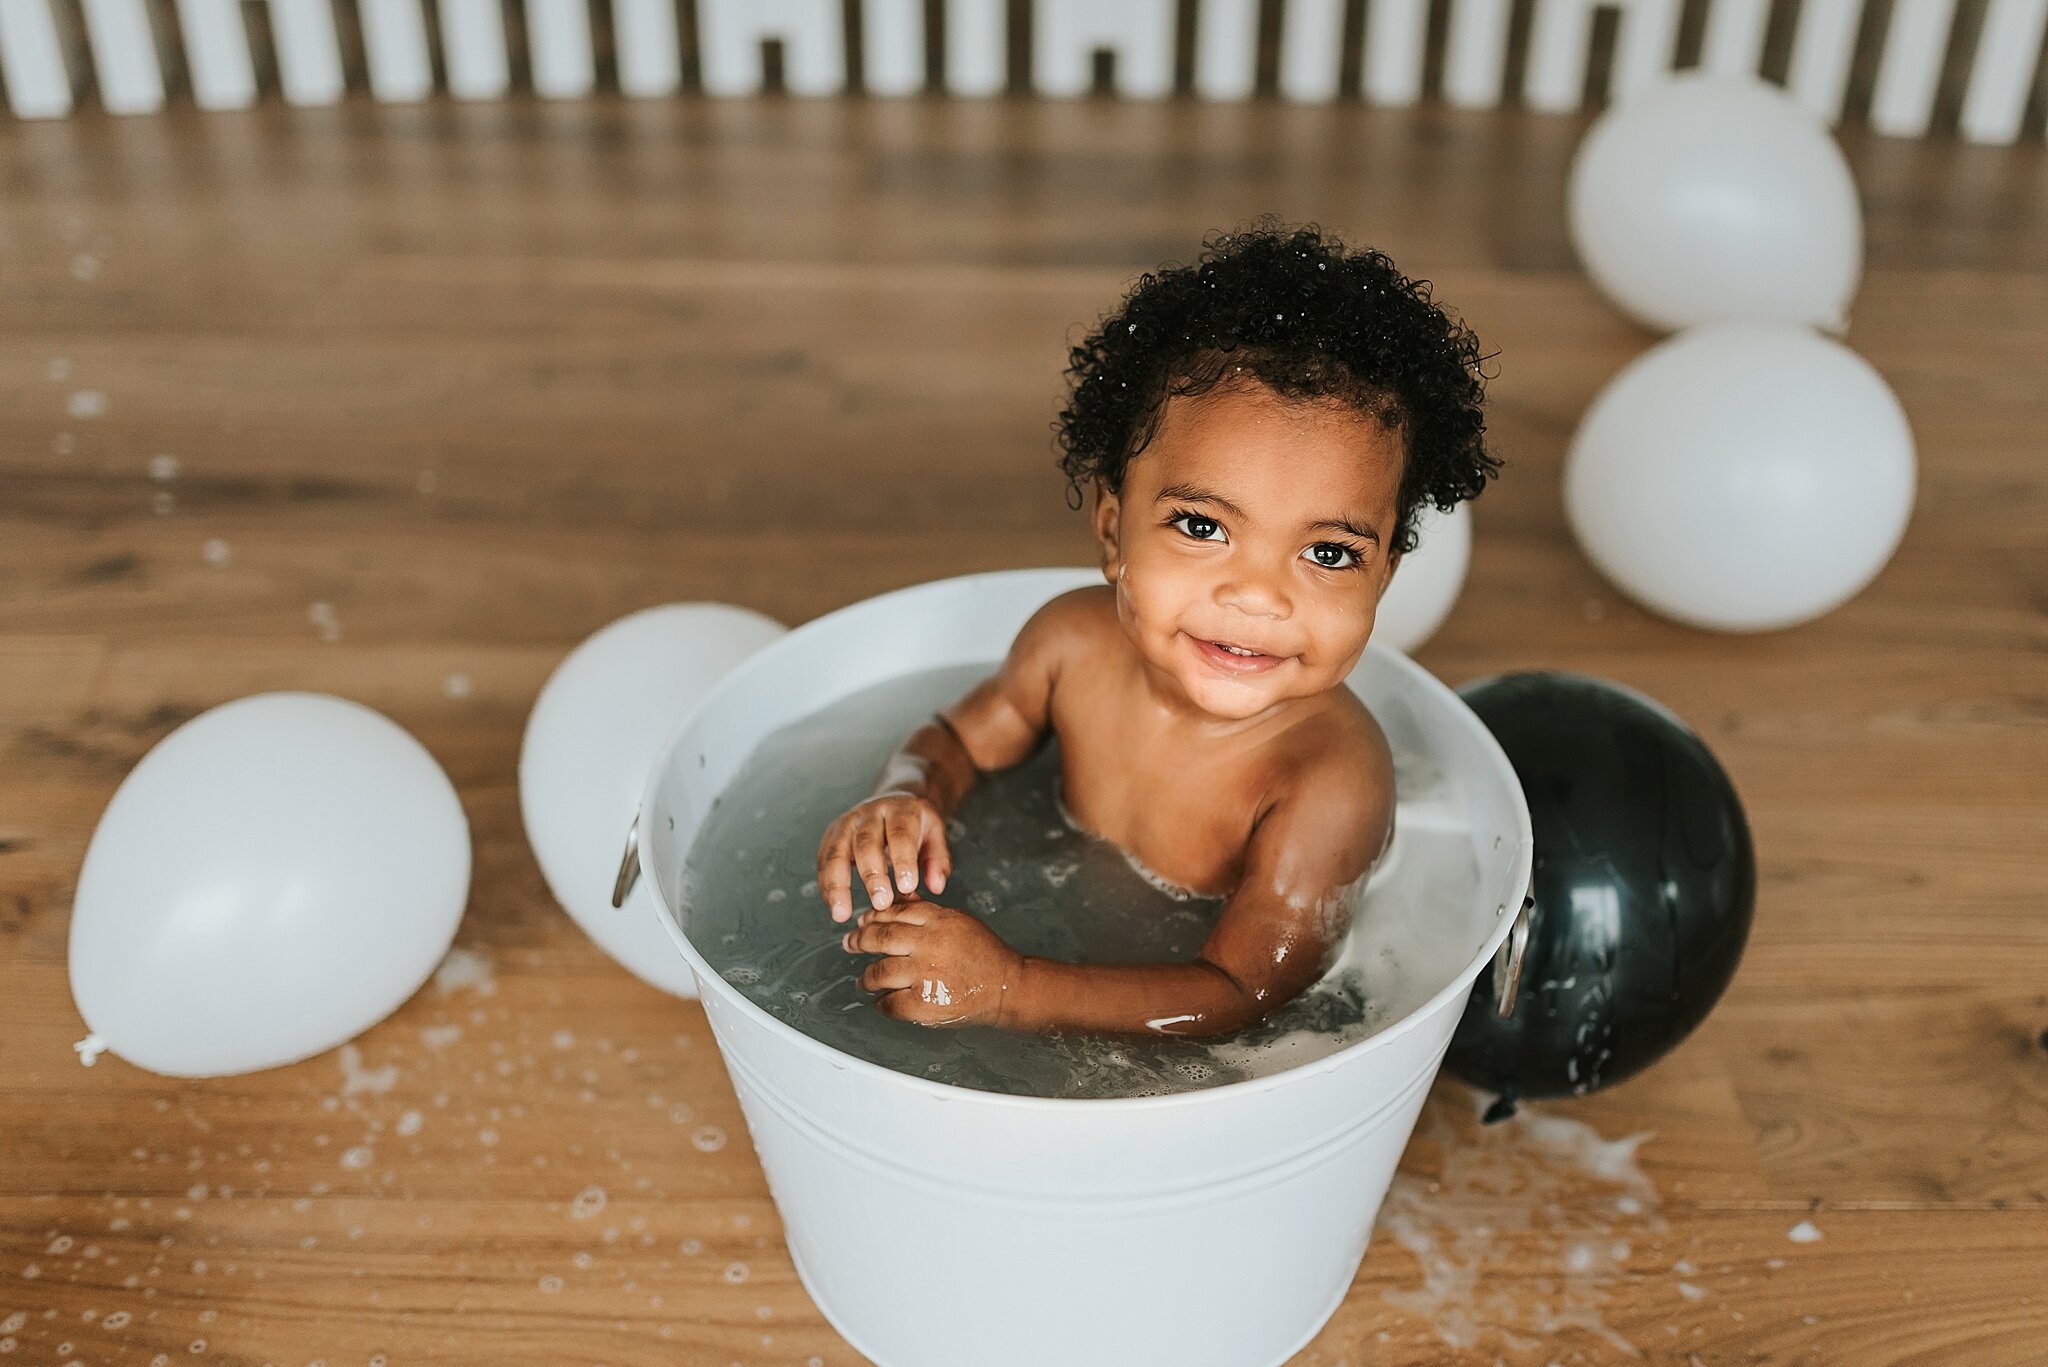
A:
(1256, 522)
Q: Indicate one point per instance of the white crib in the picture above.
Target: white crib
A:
(134, 55)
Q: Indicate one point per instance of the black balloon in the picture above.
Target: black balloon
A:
(1645, 881)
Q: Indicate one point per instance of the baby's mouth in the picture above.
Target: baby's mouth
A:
(1234, 658)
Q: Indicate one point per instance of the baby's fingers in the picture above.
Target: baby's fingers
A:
(869, 859)
(903, 830)
(835, 875)
(938, 858)
(913, 912)
(884, 975)
(880, 937)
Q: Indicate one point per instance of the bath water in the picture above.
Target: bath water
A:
(751, 906)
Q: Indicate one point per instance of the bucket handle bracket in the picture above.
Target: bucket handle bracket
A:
(1507, 960)
(629, 866)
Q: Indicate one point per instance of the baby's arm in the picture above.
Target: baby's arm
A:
(998, 724)
(1277, 935)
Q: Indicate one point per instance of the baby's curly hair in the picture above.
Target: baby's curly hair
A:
(1297, 311)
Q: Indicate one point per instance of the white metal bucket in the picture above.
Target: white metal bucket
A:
(938, 1225)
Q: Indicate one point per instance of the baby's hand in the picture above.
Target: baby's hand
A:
(940, 966)
(887, 832)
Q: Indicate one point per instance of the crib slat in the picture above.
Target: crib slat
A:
(1643, 48)
(1144, 54)
(308, 51)
(1556, 76)
(1395, 31)
(2002, 72)
(1909, 72)
(1735, 36)
(1226, 49)
(130, 76)
(1822, 46)
(812, 33)
(977, 47)
(395, 47)
(1311, 50)
(813, 47)
(1060, 50)
(648, 46)
(1558, 50)
(1067, 34)
(892, 46)
(728, 49)
(124, 58)
(559, 48)
(1476, 60)
(217, 53)
(975, 56)
(32, 59)
(473, 47)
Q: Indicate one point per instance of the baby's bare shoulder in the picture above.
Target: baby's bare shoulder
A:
(1002, 719)
(1330, 807)
(1338, 753)
(1077, 617)
(1088, 608)
(1068, 627)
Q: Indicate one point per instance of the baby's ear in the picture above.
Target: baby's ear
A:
(1107, 510)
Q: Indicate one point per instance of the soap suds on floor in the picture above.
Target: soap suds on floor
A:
(1474, 1201)
(440, 1036)
(465, 968)
(356, 1078)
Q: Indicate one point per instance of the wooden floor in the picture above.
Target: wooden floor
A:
(445, 389)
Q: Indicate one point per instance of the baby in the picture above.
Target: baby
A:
(1259, 431)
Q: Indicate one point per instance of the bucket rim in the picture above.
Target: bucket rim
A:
(1057, 579)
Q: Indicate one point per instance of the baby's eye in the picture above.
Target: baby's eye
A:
(1199, 527)
(1332, 556)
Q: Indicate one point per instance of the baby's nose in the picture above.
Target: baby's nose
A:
(1255, 596)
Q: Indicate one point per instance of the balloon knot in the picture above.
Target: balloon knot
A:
(1502, 1109)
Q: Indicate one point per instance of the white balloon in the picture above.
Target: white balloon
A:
(599, 720)
(1716, 197)
(275, 876)
(1428, 579)
(1742, 476)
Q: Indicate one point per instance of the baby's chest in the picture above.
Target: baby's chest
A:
(1185, 816)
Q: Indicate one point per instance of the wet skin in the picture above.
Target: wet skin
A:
(1250, 521)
